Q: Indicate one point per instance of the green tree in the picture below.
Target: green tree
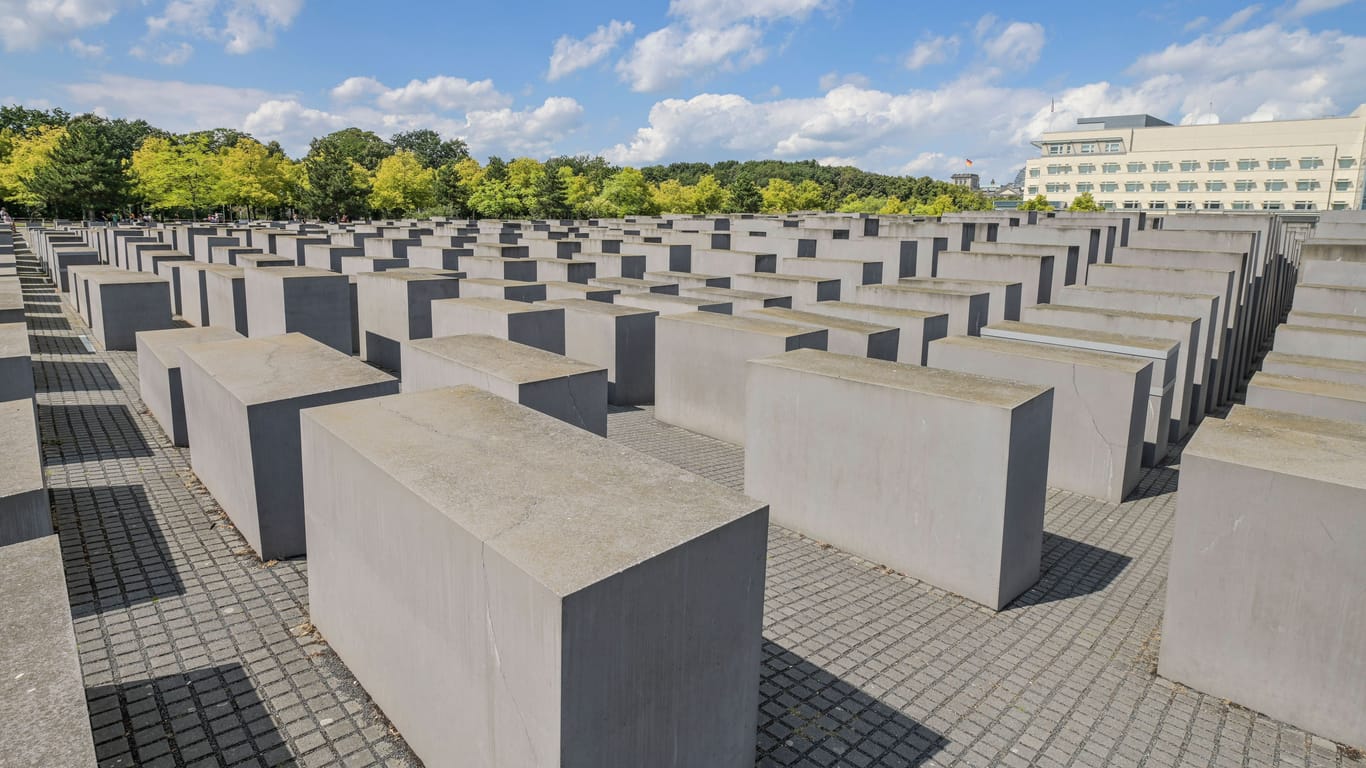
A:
(708, 196)
(939, 206)
(24, 156)
(780, 196)
(579, 191)
(82, 175)
(894, 207)
(178, 174)
(809, 196)
(336, 185)
(429, 147)
(495, 169)
(253, 179)
(403, 184)
(23, 121)
(552, 194)
(1085, 202)
(495, 199)
(671, 196)
(362, 147)
(745, 196)
(1036, 203)
(626, 193)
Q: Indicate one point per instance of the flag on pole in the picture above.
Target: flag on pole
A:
(969, 162)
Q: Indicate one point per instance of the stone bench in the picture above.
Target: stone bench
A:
(1185, 330)
(159, 381)
(42, 694)
(572, 391)
(846, 336)
(16, 362)
(1320, 398)
(968, 311)
(668, 304)
(511, 290)
(700, 367)
(121, 303)
(1264, 575)
(242, 403)
(395, 306)
(1004, 301)
(536, 325)
(225, 289)
(286, 299)
(1100, 405)
(1163, 353)
(619, 338)
(1314, 367)
(584, 604)
(939, 474)
(24, 511)
(806, 290)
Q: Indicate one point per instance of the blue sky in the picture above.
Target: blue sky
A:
(897, 87)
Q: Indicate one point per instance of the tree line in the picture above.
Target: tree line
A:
(56, 164)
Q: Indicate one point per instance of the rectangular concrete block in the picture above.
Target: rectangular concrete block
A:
(242, 403)
(635, 285)
(225, 290)
(1331, 299)
(559, 290)
(537, 325)
(1321, 342)
(1100, 405)
(1033, 271)
(806, 290)
(935, 473)
(689, 279)
(1263, 576)
(42, 694)
(511, 290)
(565, 270)
(700, 367)
(668, 304)
(159, 381)
(739, 301)
(846, 336)
(123, 303)
(1320, 398)
(314, 302)
(1004, 303)
(968, 311)
(615, 624)
(916, 328)
(572, 391)
(630, 265)
(16, 362)
(619, 338)
(329, 256)
(395, 306)
(1313, 367)
(24, 511)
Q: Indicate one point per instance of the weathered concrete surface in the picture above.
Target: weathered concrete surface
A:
(24, 512)
(620, 338)
(394, 306)
(1259, 601)
(16, 362)
(936, 473)
(314, 302)
(242, 403)
(159, 373)
(1308, 397)
(1321, 342)
(1313, 367)
(123, 303)
(499, 620)
(572, 391)
(226, 291)
(537, 325)
(845, 336)
(967, 310)
(42, 698)
(668, 304)
(916, 328)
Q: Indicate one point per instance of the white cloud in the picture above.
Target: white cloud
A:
(673, 54)
(31, 24)
(1196, 23)
(924, 163)
(177, 55)
(353, 88)
(1301, 8)
(723, 12)
(177, 106)
(443, 92)
(570, 54)
(241, 25)
(1017, 46)
(832, 80)
(933, 50)
(85, 50)
(1238, 19)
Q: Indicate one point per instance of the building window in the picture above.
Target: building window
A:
(1055, 149)
(1275, 185)
(1346, 162)
(1245, 185)
(1161, 166)
(1113, 146)
(1218, 165)
(1242, 205)
(1054, 170)
(1108, 186)
(1306, 185)
(1310, 163)
(1213, 205)
(1277, 164)
(1088, 149)
(1057, 187)
(1305, 205)
(1086, 168)
(1108, 205)
(1158, 205)
(1131, 205)
(1185, 205)
(1110, 168)
(1137, 167)
(1187, 186)
(1033, 173)
(1161, 186)
(1339, 206)
(1248, 165)
(1271, 205)
(1215, 186)
(1133, 186)
(1342, 185)
(1032, 190)
(1085, 186)
(1190, 165)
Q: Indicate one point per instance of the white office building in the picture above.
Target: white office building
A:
(1138, 162)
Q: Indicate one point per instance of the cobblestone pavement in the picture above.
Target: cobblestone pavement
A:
(195, 653)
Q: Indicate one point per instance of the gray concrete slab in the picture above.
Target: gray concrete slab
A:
(159, 381)
(24, 511)
(537, 325)
(1320, 398)
(285, 299)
